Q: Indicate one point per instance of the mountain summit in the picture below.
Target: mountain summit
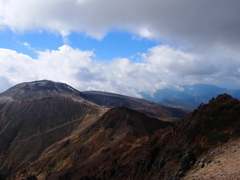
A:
(42, 89)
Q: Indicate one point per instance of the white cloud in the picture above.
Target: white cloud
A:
(181, 63)
(146, 33)
(162, 67)
(60, 65)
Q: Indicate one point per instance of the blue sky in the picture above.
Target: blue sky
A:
(115, 44)
(127, 47)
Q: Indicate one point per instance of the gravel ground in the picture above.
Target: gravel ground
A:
(222, 163)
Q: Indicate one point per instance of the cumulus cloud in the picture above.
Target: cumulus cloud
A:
(161, 67)
(60, 65)
(204, 22)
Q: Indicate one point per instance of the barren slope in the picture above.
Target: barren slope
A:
(34, 116)
(218, 164)
(141, 105)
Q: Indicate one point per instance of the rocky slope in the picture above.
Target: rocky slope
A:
(220, 163)
(60, 134)
(167, 153)
(103, 149)
(34, 116)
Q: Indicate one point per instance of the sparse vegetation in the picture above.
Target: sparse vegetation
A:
(176, 152)
(226, 106)
(216, 137)
(236, 128)
(196, 129)
(66, 143)
(51, 166)
(199, 149)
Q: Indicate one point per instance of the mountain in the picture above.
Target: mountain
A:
(42, 89)
(236, 94)
(106, 144)
(189, 93)
(189, 96)
(183, 151)
(176, 103)
(150, 108)
(119, 118)
(61, 134)
(126, 144)
(34, 116)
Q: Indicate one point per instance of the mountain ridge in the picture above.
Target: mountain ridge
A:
(150, 108)
(196, 94)
(169, 153)
(59, 135)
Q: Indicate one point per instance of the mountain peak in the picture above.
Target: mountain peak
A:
(41, 89)
(221, 98)
(120, 118)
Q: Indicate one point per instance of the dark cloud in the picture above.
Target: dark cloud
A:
(192, 22)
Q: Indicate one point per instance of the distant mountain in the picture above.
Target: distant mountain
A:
(178, 104)
(194, 94)
(150, 108)
(236, 94)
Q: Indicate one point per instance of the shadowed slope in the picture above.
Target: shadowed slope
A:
(141, 105)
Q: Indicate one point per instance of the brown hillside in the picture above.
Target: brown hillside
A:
(29, 124)
(167, 154)
(65, 136)
(150, 108)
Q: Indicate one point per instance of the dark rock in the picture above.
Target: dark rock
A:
(2, 177)
(31, 177)
(187, 161)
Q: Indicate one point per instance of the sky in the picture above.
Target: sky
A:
(127, 47)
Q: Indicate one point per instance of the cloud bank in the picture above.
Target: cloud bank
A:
(161, 67)
(204, 22)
